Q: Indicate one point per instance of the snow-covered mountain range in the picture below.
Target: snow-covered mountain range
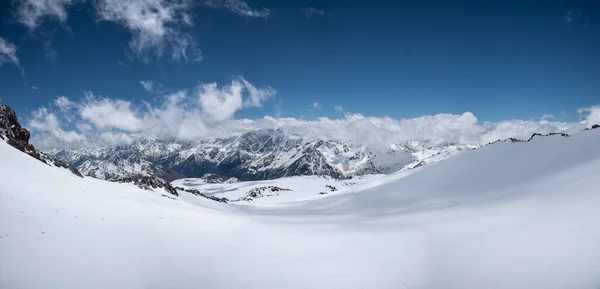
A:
(257, 155)
(509, 215)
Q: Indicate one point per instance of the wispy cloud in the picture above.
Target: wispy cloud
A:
(547, 116)
(8, 54)
(316, 105)
(123, 64)
(256, 96)
(63, 103)
(311, 11)
(31, 13)
(156, 26)
(569, 17)
(48, 46)
(577, 17)
(590, 115)
(49, 125)
(148, 85)
(278, 110)
(239, 7)
(338, 108)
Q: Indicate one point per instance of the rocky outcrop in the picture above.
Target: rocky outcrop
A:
(512, 139)
(198, 193)
(12, 132)
(147, 183)
(260, 192)
(18, 137)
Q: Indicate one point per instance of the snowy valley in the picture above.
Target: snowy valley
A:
(508, 215)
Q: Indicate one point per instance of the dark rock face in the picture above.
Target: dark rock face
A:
(147, 183)
(18, 137)
(596, 126)
(260, 192)
(198, 193)
(12, 132)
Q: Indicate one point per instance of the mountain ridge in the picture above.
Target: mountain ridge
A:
(256, 155)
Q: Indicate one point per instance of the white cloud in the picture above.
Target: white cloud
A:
(148, 85)
(84, 127)
(239, 7)
(30, 13)
(222, 103)
(256, 96)
(316, 105)
(338, 108)
(118, 138)
(311, 11)
(592, 115)
(208, 112)
(8, 54)
(63, 103)
(49, 125)
(155, 24)
(182, 115)
(107, 113)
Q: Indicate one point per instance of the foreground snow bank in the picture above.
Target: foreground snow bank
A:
(505, 216)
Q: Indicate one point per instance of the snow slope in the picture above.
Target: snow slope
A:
(300, 188)
(510, 215)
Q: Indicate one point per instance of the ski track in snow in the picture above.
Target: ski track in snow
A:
(509, 215)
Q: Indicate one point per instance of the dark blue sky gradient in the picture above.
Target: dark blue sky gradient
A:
(497, 59)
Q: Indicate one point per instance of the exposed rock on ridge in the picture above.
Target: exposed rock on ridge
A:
(18, 137)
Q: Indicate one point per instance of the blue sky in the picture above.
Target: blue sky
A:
(500, 60)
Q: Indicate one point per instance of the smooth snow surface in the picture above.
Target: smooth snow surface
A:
(509, 215)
